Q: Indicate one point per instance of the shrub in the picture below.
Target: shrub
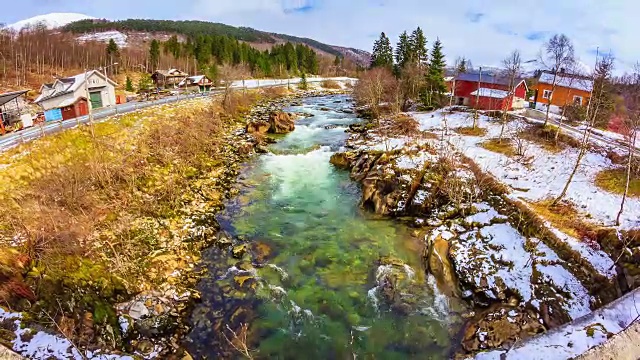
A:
(331, 84)
(615, 180)
(471, 131)
(575, 113)
(546, 137)
(502, 147)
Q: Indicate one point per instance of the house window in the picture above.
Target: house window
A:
(546, 94)
(577, 100)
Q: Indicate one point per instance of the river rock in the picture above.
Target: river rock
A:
(438, 262)
(342, 160)
(138, 310)
(281, 122)
(500, 327)
(238, 251)
(258, 126)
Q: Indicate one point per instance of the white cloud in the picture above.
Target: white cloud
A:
(503, 26)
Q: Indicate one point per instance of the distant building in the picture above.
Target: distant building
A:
(488, 91)
(168, 78)
(71, 97)
(11, 113)
(199, 82)
(569, 89)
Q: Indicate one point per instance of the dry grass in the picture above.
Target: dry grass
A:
(399, 125)
(331, 84)
(240, 102)
(567, 218)
(471, 131)
(73, 198)
(502, 147)
(615, 180)
(274, 92)
(545, 136)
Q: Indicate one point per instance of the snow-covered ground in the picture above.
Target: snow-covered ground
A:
(42, 345)
(50, 21)
(576, 338)
(106, 36)
(543, 174)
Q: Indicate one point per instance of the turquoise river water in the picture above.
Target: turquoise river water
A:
(310, 289)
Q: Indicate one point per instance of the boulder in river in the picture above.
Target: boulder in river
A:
(281, 122)
(438, 262)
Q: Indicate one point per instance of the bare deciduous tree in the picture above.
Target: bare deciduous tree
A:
(558, 54)
(411, 81)
(512, 68)
(631, 95)
(599, 99)
(375, 87)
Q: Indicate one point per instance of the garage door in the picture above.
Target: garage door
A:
(96, 100)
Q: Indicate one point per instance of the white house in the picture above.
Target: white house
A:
(65, 92)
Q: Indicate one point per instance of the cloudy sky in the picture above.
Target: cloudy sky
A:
(483, 30)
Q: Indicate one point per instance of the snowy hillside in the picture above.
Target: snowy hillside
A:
(51, 21)
(105, 36)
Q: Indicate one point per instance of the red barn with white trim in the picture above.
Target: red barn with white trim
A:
(467, 84)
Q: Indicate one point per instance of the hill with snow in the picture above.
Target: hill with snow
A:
(50, 21)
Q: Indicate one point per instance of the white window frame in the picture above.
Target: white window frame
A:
(576, 97)
(547, 94)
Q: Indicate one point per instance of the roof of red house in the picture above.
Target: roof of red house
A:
(492, 93)
(486, 77)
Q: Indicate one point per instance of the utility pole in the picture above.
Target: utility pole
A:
(475, 115)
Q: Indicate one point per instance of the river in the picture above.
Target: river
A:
(311, 283)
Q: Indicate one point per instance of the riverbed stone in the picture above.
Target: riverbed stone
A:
(439, 264)
(281, 122)
(138, 310)
(238, 251)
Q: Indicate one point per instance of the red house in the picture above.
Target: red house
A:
(488, 91)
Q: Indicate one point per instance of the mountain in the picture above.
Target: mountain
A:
(101, 30)
(50, 21)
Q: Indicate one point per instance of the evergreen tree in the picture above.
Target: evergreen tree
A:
(403, 50)
(462, 66)
(113, 51)
(212, 73)
(337, 62)
(128, 85)
(303, 82)
(418, 47)
(154, 55)
(145, 82)
(435, 84)
(382, 53)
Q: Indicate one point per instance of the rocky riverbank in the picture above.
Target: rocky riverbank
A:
(95, 310)
(480, 245)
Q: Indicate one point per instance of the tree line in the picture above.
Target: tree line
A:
(211, 51)
(36, 55)
(404, 75)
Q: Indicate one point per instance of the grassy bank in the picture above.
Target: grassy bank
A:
(92, 216)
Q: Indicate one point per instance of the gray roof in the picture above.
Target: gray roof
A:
(6, 97)
(486, 78)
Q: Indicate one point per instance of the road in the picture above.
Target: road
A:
(11, 140)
